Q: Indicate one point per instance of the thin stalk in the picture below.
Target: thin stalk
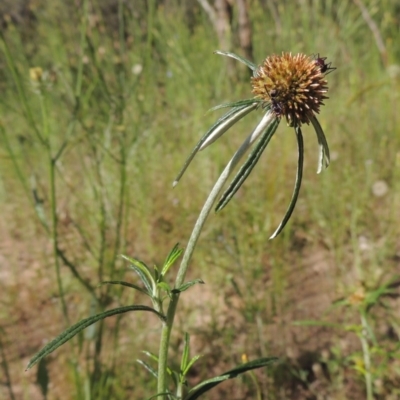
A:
(366, 356)
(167, 326)
(7, 377)
(54, 220)
(53, 203)
(20, 89)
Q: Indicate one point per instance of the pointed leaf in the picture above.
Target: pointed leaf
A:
(205, 386)
(297, 184)
(164, 286)
(239, 103)
(140, 265)
(248, 166)
(185, 354)
(248, 63)
(148, 367)
(155, 358)
(324, 156)
(190, 363)
(173, 374)
(169, 394)
(150, 355)
(75, 329)
(123, 283)
(187, 285)
(149, 286)
(171, 258)
(222, 124)
(226, 125)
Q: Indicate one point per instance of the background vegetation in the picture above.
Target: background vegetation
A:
(90, 145)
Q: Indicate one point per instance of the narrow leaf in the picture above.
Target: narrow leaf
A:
(217, 133)
(297, 184)
(239, 103)
(324, 156)
(187, 285)
(171, 258)
(205, 386)
(139, 264)
(221, 125)
(164, 286)
(75, 329)
(185, 354)
(148, 367)
(150, 355)
(123, 283)
(248, 166)
(169, 394)
(248, 63)
(190, 363)
(143, 271)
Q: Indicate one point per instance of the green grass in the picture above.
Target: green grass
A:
(126, 137)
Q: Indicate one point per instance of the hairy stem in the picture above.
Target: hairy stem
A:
(167, 326)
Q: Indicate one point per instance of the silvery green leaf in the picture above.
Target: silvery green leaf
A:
(218, 129)
(205, 386)
(81, 325)
(239, 103)
(297, 184)
(243, 60)
(143, 271)
(148, 367)
(324, 156)
(187, 285)
(123, 283)
(171, 258)
(248, 166)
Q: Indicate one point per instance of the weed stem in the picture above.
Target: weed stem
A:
(167, 326)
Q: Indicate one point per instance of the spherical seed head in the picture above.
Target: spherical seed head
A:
(293, 86)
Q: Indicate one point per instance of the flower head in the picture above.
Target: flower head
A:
(293, 86)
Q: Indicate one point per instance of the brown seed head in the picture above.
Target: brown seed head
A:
(294, 86)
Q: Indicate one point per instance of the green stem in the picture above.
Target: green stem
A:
(167, 326)
(54, 219)
(367, 356)
(53, 202)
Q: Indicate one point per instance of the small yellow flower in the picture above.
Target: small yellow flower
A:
(36, 74)
(293, 85)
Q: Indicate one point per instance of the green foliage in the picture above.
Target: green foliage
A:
(88, 154)
(207, 385)
(75, 329)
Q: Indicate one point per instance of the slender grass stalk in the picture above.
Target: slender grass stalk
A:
(212, 197)
(7, 376)
(366, 356)
(53, 203)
